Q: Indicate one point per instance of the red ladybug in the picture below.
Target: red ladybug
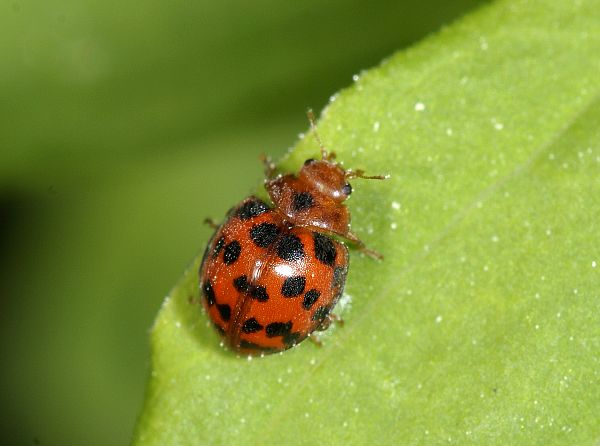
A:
(270, 276)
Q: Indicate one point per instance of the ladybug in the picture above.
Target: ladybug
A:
(271, 275)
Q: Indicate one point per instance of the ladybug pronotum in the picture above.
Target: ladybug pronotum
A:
(271, 275)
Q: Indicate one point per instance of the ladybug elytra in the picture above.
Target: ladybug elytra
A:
(271, 275)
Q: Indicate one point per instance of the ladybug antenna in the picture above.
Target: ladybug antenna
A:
(361, 174)
(313, 126)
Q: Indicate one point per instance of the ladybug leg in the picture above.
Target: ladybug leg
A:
(268, 165)
(326, 322)
(324, 325)
(362, 248)
(337, 319)
(316, 340)
(210, 222)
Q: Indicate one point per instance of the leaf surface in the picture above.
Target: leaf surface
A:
(482, 324)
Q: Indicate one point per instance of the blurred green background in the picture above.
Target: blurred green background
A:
(122, 125)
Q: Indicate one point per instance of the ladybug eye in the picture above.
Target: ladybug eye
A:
(308, 161)
(347, 189)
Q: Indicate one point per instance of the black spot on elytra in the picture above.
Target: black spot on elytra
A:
(278, 329)
(324, 249)
(264, 234)
(218, 246)
(209, 293)
(247, 345)
(323, 324)
(241, 283)
(251, 326)
(290, 247)
(309, 161)
(224, 311)
(339, 277)
(252, 208)
(259, 293)
(321, 313)
(302, 201)
(310, 298)
(293, 286)
(232, 252)
(291, 339)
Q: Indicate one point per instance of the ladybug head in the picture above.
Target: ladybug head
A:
(325, 175)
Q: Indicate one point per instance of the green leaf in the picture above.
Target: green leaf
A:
(482, 324)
